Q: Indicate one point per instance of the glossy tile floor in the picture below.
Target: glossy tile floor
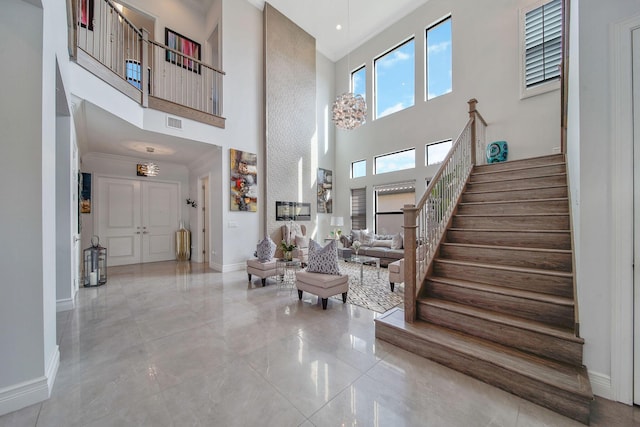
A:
(168, 344)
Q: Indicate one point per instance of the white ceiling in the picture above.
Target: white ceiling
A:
(105, 133)
(320, 17)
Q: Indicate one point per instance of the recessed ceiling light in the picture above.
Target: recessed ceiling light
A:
(338, 27)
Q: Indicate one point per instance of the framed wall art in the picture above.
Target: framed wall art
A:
(184, 47)
(86, 14)
(325, 191)
(244, 181)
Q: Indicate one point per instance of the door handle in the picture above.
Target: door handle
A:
(145, 232)
(137, 232)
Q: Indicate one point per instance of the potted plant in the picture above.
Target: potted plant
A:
(356, 246)
(287, 250)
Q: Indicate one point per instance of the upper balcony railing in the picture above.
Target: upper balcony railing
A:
(170, 79)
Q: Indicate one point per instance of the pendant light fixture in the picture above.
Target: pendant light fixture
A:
(349, 109)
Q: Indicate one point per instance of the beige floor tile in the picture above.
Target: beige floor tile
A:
(176, 344)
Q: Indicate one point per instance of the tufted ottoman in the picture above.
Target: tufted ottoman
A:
(261, 269)
(322, 285)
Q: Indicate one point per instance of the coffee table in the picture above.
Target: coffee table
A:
(362, 260)
(286, 271)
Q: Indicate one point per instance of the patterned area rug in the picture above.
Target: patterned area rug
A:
(374, 293)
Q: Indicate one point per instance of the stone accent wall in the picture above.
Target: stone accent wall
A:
(290, 118)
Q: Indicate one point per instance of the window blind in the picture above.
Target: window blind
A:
(358, 208)
(543, 43)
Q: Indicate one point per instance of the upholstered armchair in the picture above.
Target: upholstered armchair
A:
(296, 234)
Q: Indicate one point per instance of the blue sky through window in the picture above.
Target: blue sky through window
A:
(395, 79)
(395, 161)
(358, 169)
(439, 78)
(359, 82)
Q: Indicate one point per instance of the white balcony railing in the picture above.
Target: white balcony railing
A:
(109, 45)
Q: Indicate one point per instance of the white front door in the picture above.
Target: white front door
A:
(137, 220)
(119, 220)
(159, 220)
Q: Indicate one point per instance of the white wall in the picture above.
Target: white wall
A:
(326, 132)
(27, 183)
(486, 66)
(244, 110)
(590, 139)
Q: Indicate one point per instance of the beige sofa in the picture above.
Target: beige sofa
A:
(380, 246)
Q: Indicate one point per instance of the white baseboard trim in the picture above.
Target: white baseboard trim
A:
(234, 267)
(29, 393)
(228, 267)
(65, 304)
(601, 385)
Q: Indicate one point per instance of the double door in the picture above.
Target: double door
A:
(137, 220)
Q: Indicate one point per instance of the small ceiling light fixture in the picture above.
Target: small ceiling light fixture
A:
(147, 169)
(349, 109)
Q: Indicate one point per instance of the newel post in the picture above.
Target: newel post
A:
(472, 115)
(410, 214)
(144, 66)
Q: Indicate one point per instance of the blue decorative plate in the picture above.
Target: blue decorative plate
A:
(497, 152)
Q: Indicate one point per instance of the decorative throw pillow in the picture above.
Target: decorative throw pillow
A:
(357, 235)
(381, 243)
(302, 241)
(323, 260)
(367, 238)
(396, 242)
(265, 249)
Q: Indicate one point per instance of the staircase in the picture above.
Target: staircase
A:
(498, 304)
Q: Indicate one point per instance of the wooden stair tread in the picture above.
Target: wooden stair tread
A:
(503, 179)
(552, 158)
(505, 267)
(515, 189)
(518, 169)
(502, 290)
(509, 248)
(572, 379)
(505, 319)
(536, 214)
(494, 202)
(508, 230)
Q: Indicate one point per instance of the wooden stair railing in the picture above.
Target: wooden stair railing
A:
(426, 222)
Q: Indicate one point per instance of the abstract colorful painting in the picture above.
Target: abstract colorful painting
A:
(325, 191)
(184, 47)
(244, 181)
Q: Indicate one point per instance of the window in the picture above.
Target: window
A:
(395, 79)
(395, 161)
(439, 59)
(390, 199)
(437, 151)
(542, 43)
(133, 73)
(359, 82)
(358, 208)
(359, 169)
